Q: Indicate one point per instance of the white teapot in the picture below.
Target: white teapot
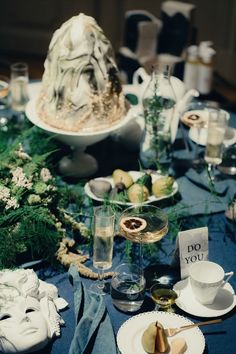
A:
(131, 134)
(177, 84)
(179, 88)
(183, 97)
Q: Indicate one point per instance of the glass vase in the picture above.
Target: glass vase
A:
(158, 107)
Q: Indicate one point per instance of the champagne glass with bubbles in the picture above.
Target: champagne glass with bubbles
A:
(104, 223)
(217, 125)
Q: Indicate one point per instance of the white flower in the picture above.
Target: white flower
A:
(19, 178)
(12, 203)
(45, 174)
(4, 193)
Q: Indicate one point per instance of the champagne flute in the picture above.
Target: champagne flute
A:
(104, 224)
(217, 125)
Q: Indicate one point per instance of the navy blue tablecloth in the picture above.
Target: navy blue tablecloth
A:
(219, 338)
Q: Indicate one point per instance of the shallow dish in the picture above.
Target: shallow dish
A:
(224, 302)
(135, 175)
(130, 333)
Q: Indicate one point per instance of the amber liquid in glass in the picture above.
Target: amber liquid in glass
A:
(164, 298)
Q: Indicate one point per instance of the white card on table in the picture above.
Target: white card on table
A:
(193, 247)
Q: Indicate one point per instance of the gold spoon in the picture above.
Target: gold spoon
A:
(170, 332)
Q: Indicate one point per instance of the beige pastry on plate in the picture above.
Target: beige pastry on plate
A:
(178, 346)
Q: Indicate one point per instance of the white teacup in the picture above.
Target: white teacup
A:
(206, 278)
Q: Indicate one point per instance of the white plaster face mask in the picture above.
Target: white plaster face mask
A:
(23, 327)
(29, 308)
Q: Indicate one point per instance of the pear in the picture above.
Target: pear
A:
(138, 193)
(162, 186)
(154, 339)
(149, 337)
(120, 176)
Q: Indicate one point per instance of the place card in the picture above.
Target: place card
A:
(191, 247)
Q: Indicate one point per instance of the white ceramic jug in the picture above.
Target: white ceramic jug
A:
(177, 84)
(140, 81)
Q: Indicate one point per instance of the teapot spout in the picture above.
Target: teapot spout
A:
(185, 100)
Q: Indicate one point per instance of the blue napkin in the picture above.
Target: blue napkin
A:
(199, 197)
(202, 180)
(93, 332)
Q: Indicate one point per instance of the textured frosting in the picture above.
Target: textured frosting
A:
(81, 89)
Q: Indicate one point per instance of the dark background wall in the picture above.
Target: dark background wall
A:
(26, 26)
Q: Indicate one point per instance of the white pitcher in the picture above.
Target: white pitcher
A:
(140, 81)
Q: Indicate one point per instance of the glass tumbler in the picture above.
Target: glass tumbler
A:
(19, 86)
(128, 287)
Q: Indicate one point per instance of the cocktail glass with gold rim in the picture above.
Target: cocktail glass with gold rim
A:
(143, 224)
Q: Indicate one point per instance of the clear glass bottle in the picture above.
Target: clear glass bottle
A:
(158, 107)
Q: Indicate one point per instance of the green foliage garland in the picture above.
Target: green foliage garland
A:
(32, 201)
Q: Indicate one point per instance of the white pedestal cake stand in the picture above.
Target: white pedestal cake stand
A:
(81, 164)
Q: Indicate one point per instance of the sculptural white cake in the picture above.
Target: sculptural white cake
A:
(81, 90)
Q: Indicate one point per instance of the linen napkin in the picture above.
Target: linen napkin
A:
(197, 197)
(202, 180)
(93, 332)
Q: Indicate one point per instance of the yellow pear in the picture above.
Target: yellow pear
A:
(120, 176)
(154, 340)
(149, 337)
(138, 193)
(162, 186)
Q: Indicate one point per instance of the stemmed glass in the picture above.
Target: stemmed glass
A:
(217, 125)
(143, 224)
(104, 223)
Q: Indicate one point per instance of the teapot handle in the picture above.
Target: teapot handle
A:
(140, 73)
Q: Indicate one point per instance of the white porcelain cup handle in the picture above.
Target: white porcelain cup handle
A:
(228, 276)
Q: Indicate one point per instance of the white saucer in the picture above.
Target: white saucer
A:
(224, 302)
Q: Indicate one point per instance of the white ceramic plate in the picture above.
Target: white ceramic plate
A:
(224, 302)
(135, 175)
(130, 333)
